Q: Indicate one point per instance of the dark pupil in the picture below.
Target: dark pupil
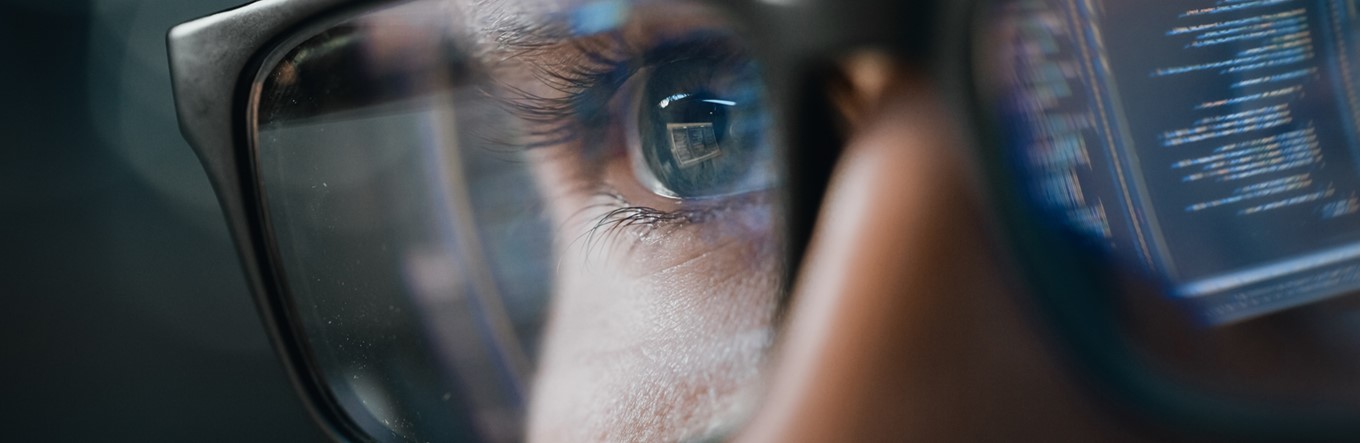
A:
(696, 126)
(698, 107)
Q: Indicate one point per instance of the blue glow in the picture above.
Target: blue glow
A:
(599, 16)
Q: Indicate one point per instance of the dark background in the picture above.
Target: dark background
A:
(125, 316)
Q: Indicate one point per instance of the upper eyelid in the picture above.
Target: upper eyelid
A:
(587, 79)
(589, 76)
(579, 85)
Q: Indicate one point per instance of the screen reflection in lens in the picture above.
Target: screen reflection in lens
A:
(1206, 153)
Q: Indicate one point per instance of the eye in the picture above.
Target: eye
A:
(702, 129)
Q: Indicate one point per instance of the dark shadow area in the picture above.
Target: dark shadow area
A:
(126, 316)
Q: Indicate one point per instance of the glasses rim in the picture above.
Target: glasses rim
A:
(215, 61)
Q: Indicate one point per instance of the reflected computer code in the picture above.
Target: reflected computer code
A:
(1213, 140)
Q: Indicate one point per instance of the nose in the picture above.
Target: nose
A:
(906, 325)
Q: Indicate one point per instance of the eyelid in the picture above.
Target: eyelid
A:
(586, 82)
(589, 86)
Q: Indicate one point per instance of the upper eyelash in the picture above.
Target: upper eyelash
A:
(589, 81)
(586, 83)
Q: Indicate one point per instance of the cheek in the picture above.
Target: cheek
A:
(655, 340)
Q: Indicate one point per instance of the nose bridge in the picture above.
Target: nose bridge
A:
(877, 325)
(905, 27)
(905, 325)
(804, 41)
(833, 102)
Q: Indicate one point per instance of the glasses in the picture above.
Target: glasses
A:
(476, 220)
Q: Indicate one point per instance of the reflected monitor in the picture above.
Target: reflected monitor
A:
(1214, 142)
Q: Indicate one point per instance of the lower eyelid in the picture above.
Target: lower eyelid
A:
(613, 203)
(614, 215)
(739, 234)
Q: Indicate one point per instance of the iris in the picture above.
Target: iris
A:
(703, 127)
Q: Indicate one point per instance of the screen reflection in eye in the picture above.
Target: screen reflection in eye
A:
(701, 130)
(652, 145)
(682, 112)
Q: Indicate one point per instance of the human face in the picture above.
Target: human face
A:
(904, 323)
(644, 128)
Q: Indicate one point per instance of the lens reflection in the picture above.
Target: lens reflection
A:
(471, 247)
(1209, 150)
(701, 129)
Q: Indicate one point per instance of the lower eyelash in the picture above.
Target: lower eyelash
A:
(622, 217)
(586, 85)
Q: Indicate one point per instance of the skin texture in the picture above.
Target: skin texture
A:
(655, 335)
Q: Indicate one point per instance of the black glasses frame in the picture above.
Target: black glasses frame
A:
(214, 64)
(215, 60)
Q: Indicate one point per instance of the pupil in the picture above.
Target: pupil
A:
(700, 129)
(701, 107)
